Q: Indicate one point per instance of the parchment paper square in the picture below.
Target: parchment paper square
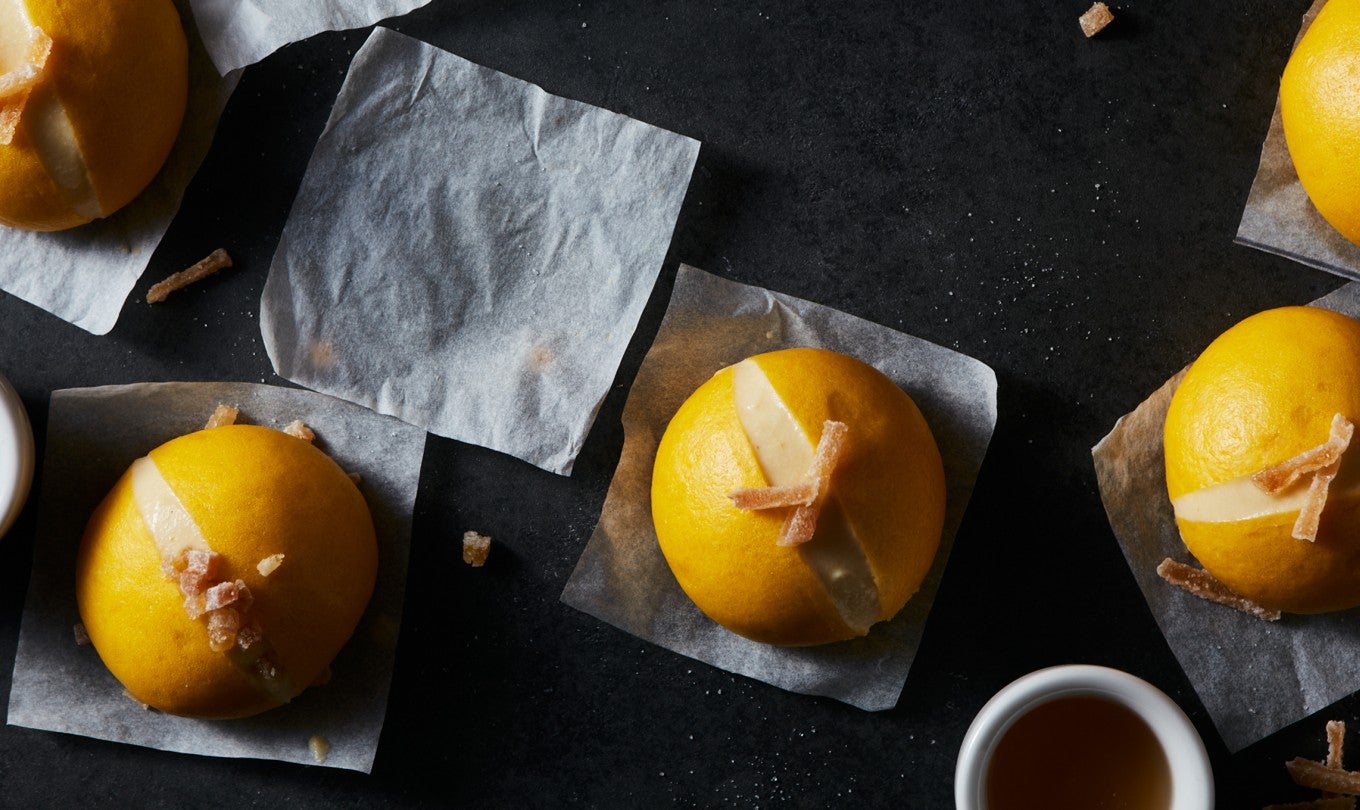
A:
(470, 253)
(242, 32)
(93, 434)
(622, 576)
(1254, 677)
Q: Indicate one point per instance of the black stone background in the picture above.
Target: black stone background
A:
(975, 173)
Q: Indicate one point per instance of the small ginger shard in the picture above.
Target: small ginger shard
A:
(759, 498)
(1095, 19)
(476, 548)
(298, 430)
(1275, 479)
(213, 262)
(1198, 582)
(17, 84)
(269, 564)
(320, 748)
(222, 416)
(1336, 738)
(801, 524)
(82, 635)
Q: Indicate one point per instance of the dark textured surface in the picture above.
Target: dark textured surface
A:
(975, 173)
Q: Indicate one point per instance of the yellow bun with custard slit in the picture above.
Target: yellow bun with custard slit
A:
(1320, 109)
(251, 493)
(1263, 392)
(103, 114)
(757, 424)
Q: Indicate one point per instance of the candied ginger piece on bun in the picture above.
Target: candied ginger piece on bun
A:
(798, 497)
(171, 584)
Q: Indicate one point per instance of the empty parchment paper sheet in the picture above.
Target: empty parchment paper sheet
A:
(1254, 677)
(93, 434)
(1279, 218)
(242, 32)
(470, 253)
(711, 323)
(84, 275)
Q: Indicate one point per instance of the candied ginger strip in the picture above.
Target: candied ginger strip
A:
(1198, 582)
(1275, 479)
(1336, 737)
(217, 260)
(222, 416)
(801, 524)
(758, 498)
(298, 430)
(1310, 516)
(1325, 803)
(1316, 775)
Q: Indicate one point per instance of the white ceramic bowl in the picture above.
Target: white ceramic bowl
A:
(16, 455)
(1192, 780)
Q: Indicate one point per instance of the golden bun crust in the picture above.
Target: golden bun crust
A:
(885, 507)
(119, 68)
(253, 492)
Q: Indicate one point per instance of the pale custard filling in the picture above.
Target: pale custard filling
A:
(44, 119)
(784, 453)
(1240, 499)
(170, 524)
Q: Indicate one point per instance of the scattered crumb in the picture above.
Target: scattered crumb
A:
(320, 748)
(384, 630)
(82, 637)
(476, 547)
(298, 430)
(1095, 19)
(269, 564)
(222, 415)
(217, 260)
(130, 697)
(355, 477)
(322, 354)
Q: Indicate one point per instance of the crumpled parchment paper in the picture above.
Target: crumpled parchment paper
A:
(469, 253)
(84, 275)
(93, 434)
(242, 32)
(622, 576)
(1254, 677)
(1279, 218)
